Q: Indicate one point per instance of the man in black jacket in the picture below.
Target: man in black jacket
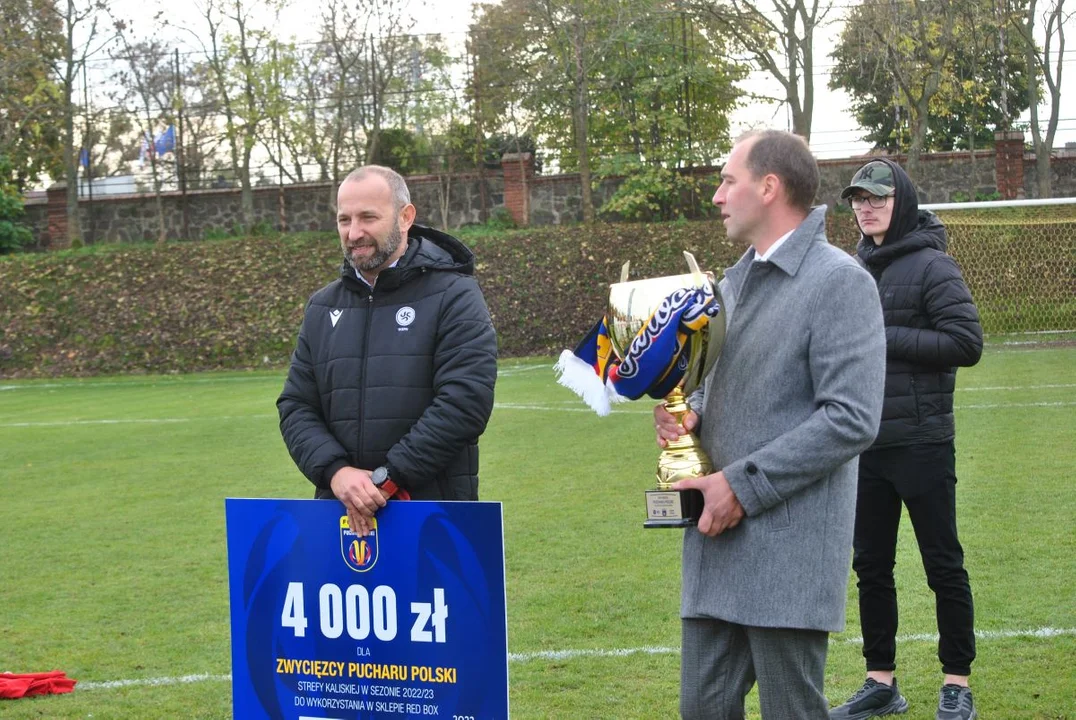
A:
(391, 382)
(932, 327)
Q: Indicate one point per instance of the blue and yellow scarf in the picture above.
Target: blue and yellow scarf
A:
(654, 362)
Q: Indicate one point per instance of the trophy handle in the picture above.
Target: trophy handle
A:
(692, 264)
(624, 271)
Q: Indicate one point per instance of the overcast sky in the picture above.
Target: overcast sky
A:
(834, 131)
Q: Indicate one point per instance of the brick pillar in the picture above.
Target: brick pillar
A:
(518, 169)
(56, 214)
(1009, 163)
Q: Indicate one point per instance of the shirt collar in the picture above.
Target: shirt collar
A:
(777, 243)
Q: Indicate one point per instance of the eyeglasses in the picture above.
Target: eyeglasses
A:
(875, 201)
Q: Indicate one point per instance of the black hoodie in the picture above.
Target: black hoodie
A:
(931, 323)
(399, 375)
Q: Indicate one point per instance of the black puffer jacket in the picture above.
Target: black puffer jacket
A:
(402, 375)
(931, 323)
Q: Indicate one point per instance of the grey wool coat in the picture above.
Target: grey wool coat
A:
(795, 396)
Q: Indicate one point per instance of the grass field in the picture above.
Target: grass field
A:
(113, 568)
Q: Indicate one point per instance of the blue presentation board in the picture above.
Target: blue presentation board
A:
(409, 621)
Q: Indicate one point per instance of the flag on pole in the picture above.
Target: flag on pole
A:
(166, 141)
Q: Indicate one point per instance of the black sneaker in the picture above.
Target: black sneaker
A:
(874, 699)
(955, 703)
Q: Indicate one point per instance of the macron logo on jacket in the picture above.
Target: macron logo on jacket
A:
(334, 316)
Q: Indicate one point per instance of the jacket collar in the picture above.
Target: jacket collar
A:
(427, 250)
(790, 255)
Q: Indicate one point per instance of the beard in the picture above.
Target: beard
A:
(383, 250)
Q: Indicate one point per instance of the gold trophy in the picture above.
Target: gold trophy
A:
(630, 306)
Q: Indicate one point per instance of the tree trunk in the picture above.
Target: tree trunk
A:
(1042, 145)
(247, 194)
(162, 231)
(801, 120)
(74, 235)
(919, 136)
(582, 125)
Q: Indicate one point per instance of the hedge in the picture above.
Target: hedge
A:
(234, 304)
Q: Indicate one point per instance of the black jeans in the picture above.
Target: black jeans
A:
(923, 477)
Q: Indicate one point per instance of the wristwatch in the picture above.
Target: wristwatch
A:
(382, 481)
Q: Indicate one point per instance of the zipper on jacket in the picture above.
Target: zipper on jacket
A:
(915, 400)
(365, 369)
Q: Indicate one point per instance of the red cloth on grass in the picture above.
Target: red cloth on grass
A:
(17, 685)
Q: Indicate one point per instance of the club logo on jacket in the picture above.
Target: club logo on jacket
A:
(360, 552)
(405, 316)
(334, 316)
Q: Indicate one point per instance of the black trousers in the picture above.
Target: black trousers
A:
(923, 477)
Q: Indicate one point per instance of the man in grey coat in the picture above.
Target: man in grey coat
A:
(794, 398)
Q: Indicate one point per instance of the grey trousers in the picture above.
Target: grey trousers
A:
(720, 662)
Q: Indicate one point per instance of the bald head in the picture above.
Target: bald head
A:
(401, 196)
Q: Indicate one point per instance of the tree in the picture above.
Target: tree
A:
(978, 90)
(781, 41)
(147, 81)
(665, 111)
(13, 234)
(549, 49)
(665, 95)
(107, 141)
(345, 38)
(31, 118)
(301, 130)
(206, 146)
(402, 150)
(1038, 65)
(239, 65)
(381, 77)
(80, 42)
(917, 45)
(633, 76)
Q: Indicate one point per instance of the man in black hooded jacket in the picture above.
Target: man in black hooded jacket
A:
(391, 382)
(932, 327)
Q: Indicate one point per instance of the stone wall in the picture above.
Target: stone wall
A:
(464, 197)
(943, 177)
(37, 219)
(133, 218)
(557, 199)
(1062, 174)
(515, 189)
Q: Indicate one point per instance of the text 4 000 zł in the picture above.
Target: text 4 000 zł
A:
(360, 612)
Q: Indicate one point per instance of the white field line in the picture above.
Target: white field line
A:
(1007, 388)
(508, 372)
(152, 682)
(561, 408)
(544, 407)
(177, 383)
(134, 421)
(170, 384)
(1034, 633)
(991, 406)
(161, 383)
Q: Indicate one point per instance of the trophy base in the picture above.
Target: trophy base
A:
(673, 508)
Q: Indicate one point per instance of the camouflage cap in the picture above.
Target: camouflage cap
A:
(875, 177)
